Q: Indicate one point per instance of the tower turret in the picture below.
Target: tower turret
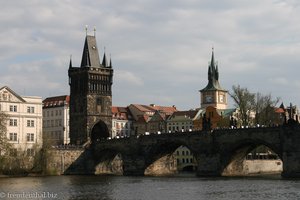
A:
(90, 96)
(213, 94)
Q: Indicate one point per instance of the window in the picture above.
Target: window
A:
(30, 152)
(30, 137)
(13, 136)
(4, 96)
(13, 122)
(30, 109)
(13, 108)
(30, 123)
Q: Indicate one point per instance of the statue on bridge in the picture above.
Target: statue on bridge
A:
(206, 123)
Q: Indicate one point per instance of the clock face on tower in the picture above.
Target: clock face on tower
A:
(221, 98)
(208, 99)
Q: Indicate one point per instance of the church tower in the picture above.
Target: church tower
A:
(213, 94)
(90, 95)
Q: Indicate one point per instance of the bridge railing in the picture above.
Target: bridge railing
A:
(190, 131)
(67, 146)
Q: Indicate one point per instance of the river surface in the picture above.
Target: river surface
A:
(185, 187)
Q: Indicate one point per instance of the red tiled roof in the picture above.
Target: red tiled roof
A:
(153, 108)
(279, 110)
(143, 118)
(121, 113)
(56, 101)
(189, 113)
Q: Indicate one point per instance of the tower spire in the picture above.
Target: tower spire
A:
(212, 63)
(86, 30)
(90, 55)
(110, 63)
(104, 61)
(70, 64)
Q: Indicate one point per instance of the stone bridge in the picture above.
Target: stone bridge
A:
(218, 152)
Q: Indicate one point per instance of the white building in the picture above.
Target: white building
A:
(56, 120)
(121, 122)
(24, 127)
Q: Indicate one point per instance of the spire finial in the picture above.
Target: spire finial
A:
(70, 64)
(86, 29)
(110, 63)
(104, 61)
(94, 31)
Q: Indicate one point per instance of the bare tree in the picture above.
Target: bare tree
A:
(265, 109)
(4, 144)
(244, 100)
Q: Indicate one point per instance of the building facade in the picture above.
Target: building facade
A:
(90, 96)
(121, 122)
(56, 120)
(185, 159)
(150, 118)
(182, 121)
(24, 126)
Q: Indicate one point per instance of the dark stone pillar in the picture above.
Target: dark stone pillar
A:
(291, 152)
(291, 164)
(133, 165)
(208, 165)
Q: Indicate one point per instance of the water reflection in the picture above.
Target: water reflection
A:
(151, 188)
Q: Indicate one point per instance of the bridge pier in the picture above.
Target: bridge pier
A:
(209, 165)
(291, 165)
(290, 139)
(133, 165)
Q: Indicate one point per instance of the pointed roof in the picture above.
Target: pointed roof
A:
(110, 63)
(104, 62)
(70, 64)
(90, 55)
(17, 98)
(213, 75)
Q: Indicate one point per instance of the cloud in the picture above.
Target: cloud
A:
(125, 77)
(160, 49)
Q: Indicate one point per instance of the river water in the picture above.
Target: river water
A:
(185, 187)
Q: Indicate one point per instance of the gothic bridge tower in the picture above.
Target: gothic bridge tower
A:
(213, 94)
(90, 95)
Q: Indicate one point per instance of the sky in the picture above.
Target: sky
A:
(159, 49)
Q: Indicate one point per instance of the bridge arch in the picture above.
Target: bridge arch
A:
(108, 161)
(161, 158)
(232, 159)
